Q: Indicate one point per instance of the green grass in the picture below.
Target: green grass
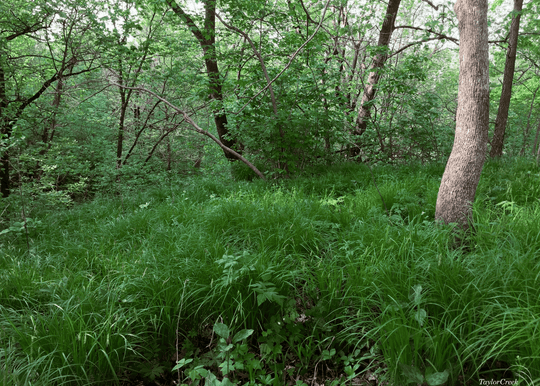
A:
(117, 290)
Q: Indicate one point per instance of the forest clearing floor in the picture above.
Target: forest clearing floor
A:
(325, 279)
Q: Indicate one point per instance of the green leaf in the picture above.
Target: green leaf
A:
(222, 330)
(240, 335)
(182, 362)
(420, 316)
(328, 354)
(211, 380)
(437, 379)
(496, 4)
(226, 382)
(411, 373)
(416, 296)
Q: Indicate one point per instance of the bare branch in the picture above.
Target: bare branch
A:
(441, 36)
(414, 43)
(196, 127)
(259, 56)
(436, 7)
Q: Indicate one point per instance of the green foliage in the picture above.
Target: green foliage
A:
(262, 283)
(120, 264)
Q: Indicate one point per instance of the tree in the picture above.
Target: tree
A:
(497, 142)
(207, 39)
(378, 63)
(127, 66)
(23, 80)
(462, 173)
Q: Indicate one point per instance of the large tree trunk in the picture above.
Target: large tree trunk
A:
(378, 63)
(497, 142)
(207, 41)
(462, 173)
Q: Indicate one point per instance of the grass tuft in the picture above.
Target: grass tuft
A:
(301, 280)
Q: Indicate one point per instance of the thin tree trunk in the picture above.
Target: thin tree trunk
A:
(9, 119)
(378, 63)
(207, 41)
(536, 140)
(49, 132)
(5, 131)
(462, 173)
(497, 142)
(138, 135)
(124, 100)
(528, 128)
(282, 164)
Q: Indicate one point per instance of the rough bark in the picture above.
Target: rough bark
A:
(121, 123)
(462, 173)
(497, 142)
(207, 41)
(5, 132)
(379, 60)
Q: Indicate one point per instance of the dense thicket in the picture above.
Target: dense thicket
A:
(284, 83)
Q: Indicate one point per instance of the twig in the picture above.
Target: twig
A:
(23, 211)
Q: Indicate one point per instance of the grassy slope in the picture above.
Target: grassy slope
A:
(332, 287)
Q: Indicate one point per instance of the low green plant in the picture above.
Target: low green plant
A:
(334, 289)
(230, 357)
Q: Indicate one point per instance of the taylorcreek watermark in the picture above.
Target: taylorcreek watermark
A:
(500, 382)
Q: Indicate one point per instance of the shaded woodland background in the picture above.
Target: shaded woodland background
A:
(280, 82)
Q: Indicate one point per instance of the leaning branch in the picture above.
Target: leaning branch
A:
(196, 127)
(412, 44)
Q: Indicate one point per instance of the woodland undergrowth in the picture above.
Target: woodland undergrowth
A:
(326, 278)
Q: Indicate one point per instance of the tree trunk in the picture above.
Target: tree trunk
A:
(378, 63)
(124, 100)
(207, 41)
(462, 173)
(5, 134)
(536, 138)
(528, 128)
(49, 131)
(9, 115)
(497, 142)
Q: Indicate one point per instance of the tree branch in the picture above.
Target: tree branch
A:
(436, 7)
(196, 127)
(414, 43)
(188, 20)
(430, 30)
(259, 56)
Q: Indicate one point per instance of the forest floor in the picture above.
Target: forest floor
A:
(339, 276)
